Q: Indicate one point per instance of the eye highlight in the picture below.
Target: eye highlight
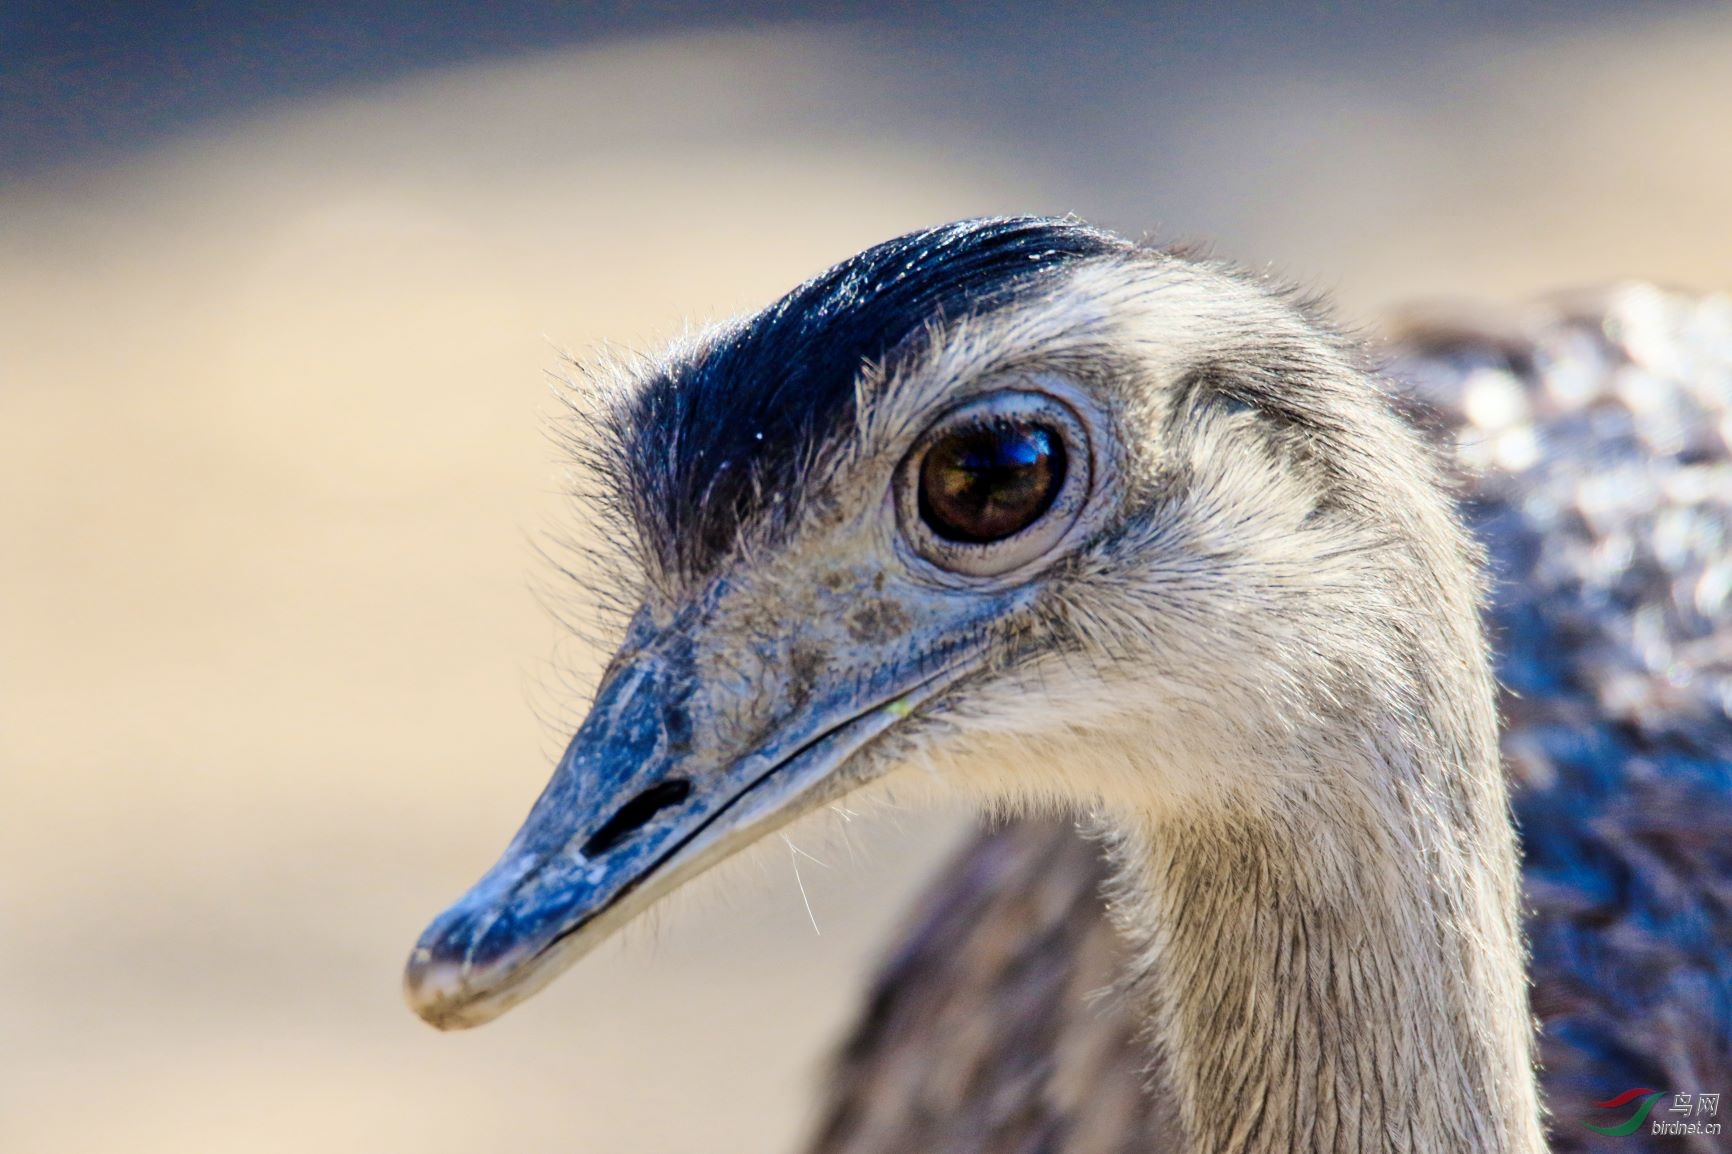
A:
(995, 483)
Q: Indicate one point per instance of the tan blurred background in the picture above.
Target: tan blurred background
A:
(273, 350)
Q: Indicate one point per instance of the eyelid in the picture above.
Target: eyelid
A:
(1008, 558)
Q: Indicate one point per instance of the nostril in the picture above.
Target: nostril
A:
(636, 813)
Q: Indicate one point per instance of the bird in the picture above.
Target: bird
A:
(1145, 548)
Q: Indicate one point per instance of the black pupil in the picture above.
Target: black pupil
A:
(986, 482)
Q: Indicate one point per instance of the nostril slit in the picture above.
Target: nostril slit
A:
(636, 813)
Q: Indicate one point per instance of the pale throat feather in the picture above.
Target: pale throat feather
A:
(1334, 967)
(1329, 965)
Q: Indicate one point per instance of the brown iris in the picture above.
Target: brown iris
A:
(985, 482)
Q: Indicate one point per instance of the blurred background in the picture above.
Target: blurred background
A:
(279, 294)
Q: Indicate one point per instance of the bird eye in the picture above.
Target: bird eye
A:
(984, 483)
(995, 483)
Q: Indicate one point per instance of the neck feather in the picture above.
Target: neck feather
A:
(1338, 969)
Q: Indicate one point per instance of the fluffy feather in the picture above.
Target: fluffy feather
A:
(1592, 441)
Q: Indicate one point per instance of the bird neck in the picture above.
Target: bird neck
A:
(1338, 970)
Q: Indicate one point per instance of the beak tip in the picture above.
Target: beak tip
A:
(436, 989)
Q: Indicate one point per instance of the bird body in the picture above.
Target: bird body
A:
(1080, 526)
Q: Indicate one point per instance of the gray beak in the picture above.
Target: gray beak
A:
(673, 770)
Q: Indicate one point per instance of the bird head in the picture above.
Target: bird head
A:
(977, 497)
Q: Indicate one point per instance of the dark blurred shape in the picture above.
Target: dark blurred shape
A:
(92, 80)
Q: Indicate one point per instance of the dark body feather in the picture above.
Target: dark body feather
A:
(1595, 443)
